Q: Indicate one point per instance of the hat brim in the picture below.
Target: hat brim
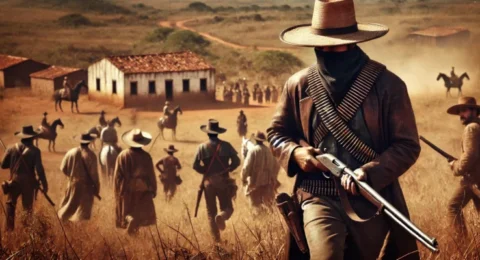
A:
(170, 151)
(205, 129)
(302, 35)
(127, 138)
(78, 138)
(455, 109)
(26, 135)
(258, 139)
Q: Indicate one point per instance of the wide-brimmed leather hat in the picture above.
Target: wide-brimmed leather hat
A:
(213, 127)
(463, 102)
(27, 132)
(333, 24)
(84, 138)
(136, 138)
(259, 136)
(170, 149)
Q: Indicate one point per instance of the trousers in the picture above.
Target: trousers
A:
(27, 192)
(221, 188)
(461, 197)
(331, 234)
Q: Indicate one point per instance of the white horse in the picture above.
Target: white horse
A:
(108, 157)
(247, 144)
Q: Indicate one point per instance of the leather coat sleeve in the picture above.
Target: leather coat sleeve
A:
(283, 132)
(470, 154)
(401, 135)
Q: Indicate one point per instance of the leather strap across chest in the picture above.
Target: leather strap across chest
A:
(335, 120)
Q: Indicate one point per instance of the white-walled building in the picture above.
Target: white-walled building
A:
(149, 80)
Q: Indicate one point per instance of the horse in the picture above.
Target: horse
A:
(108, 157)
(74, 95)
(453, 83)
(97, 130)
(247, 145)
(170, 123)
(49, 133)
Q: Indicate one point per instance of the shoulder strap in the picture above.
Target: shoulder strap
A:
(214, 157)
(334, 120)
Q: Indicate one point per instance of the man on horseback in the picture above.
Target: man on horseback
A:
(67, 88)
(44, 121)
(453, 77)
(109, 136)
(102, 121)
(242, 124)
(166, 112)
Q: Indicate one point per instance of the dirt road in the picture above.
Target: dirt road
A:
(181, 25)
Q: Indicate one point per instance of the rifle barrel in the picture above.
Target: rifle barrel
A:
(437, 149)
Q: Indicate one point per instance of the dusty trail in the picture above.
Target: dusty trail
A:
(181, 25)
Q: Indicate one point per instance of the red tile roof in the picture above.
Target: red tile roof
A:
(162, 62)
(7, 61)
(439, 31)
(53, 72)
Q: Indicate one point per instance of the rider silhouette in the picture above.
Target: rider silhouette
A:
(101, 120)
(67, 88)
(166, 111)
(453, 76)
(44, 120)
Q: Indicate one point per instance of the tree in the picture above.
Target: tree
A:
(186, 40)
(159, 34)
(199, 6)
(276, 62)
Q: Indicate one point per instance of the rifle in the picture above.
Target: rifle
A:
(46, 195)
(338, 169)
(438, 150)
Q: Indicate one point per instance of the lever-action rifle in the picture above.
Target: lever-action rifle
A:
(438, 150)
(338, 169)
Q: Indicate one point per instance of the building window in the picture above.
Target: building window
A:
(169, 89)
(98, 84)
(114, 86)
(203, 84)
(133, 88)
(152, 89)
(186, 85)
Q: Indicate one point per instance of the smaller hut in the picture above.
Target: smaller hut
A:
(440, 36)
(15, 71)
(45, 82)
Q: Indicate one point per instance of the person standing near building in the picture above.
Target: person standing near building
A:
(23, 160)
(135, 183)
(215, 159)
(80, 166)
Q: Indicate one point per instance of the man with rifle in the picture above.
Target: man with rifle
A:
(81, 167)
(354, 108)
(468, 165)
(23, 159)
(215, 159)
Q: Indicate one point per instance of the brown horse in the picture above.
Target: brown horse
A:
(74, 95)
(456, 82)
(49, 133)
(170, 123)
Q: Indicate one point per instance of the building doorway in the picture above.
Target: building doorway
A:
(169, 90)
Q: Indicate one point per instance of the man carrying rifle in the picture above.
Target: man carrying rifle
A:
(80, 166)
(23, 159)
(215, 159)
(354, 108)
(468, 165)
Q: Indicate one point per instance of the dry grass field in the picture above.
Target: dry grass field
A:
(427, 186)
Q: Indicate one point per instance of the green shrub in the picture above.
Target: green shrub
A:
(159, 34)
(200, 7)
(276, 62)
(186, 40)
(74, 20)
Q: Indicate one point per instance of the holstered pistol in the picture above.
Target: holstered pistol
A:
(289, 210)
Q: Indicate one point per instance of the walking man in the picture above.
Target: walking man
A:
(468, 165)
(268, 93)
(259, 174)
(80, 166)
(135, 183)
(246, 97)
(354, 108)
(23, 160)
(215, 159)
(242, 124)
(168, 175)
(274, 94)
(260, 96)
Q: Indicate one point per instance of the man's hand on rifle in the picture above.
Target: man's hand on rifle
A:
(349, 184)
(305, 159)
(451, 164)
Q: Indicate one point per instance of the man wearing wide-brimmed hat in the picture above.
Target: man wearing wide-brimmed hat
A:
(168, 175)
(81, 167)
(259, 174)
(354, 108)
(135, 183)
(215, 159)
(23, 160)
(468, 165)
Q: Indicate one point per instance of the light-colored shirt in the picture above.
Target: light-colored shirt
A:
(260, 168)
